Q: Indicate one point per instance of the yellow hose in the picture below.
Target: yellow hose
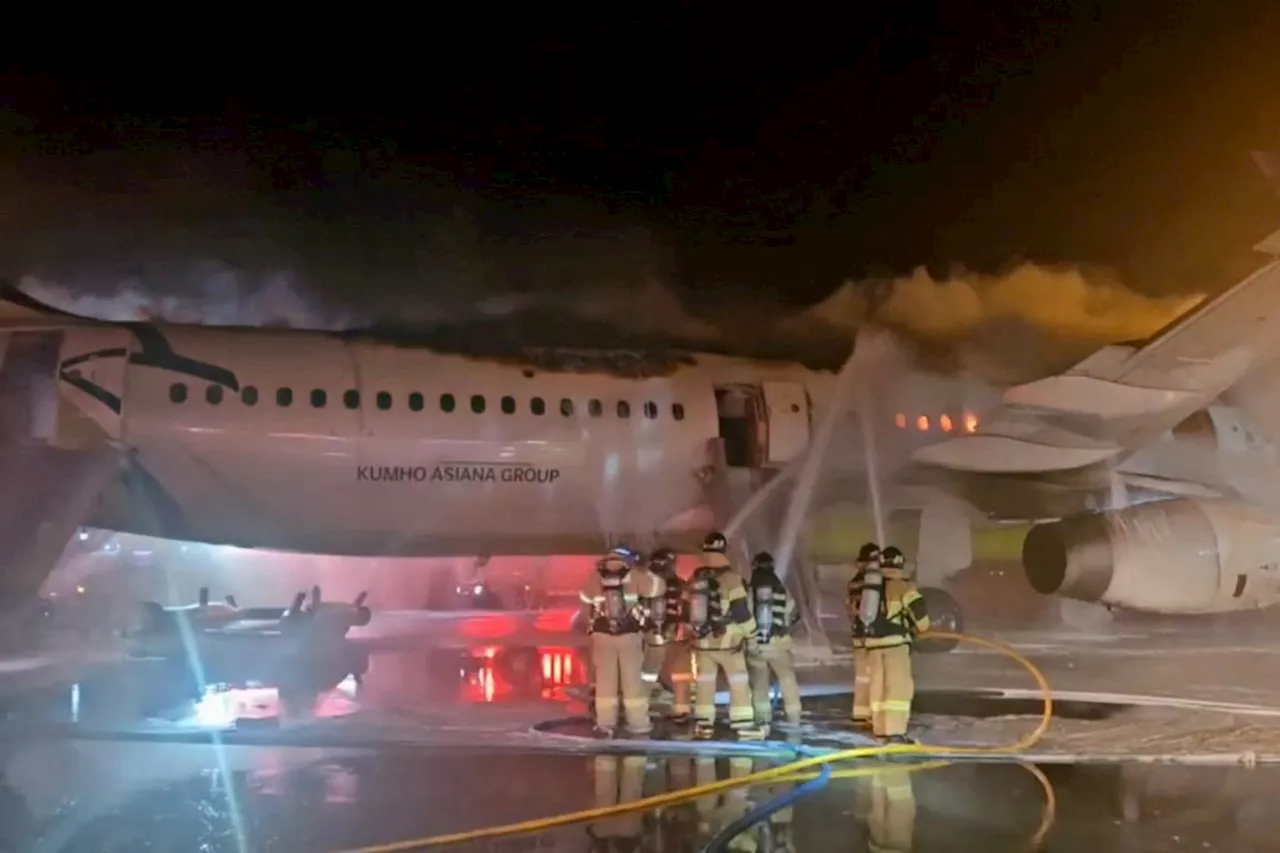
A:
(775, 774)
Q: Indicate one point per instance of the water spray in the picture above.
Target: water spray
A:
(866, 412)
(868, 351)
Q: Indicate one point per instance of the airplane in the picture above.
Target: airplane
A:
(375, 444)
(166, 631)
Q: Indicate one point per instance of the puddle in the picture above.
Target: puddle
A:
(236, 688)
(483, 675)
(83, 797)
(974, 704)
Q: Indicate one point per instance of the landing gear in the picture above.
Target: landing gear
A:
(945, 614)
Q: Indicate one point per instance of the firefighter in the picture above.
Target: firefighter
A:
(776, 615)
(720, 619)
(891, 613)
(868, 556)
(668, 642)
(615, 594)
(618, 780)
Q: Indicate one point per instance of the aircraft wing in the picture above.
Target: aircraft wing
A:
(1122, 397)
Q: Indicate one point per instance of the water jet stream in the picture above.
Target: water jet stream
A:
(869, 350)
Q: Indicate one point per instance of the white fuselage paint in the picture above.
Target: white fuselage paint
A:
(557, 461)
(394, 473)
(548, 465)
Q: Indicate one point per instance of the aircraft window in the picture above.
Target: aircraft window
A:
(477, 404)
(249, 395)
(415, 402)
(970, 422)
(508, 405)
(538, 406)
(384, 400)
(213, 395)
(318, 398)
(351, 399)
(650, 409)
(900, 420)
(677, 411)
(945, 423)
(595, 408)
(922, 423)
(284, 396)
(446, 403)
(566, 407)
(624, 409)
(178, 392)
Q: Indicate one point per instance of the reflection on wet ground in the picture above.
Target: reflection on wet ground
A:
(81, 797)
(65, 794)
(334, 682)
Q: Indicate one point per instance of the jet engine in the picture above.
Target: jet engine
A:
(1172, 557)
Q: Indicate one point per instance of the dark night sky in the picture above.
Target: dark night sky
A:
(734, 158)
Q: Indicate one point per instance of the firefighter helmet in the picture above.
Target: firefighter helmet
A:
(868, 552)
(715, 543)
(893, 558)
(627, 554)
(663, 559)
(613, 564)
(762, 562)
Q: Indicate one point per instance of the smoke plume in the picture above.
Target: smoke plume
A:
(1065, 303)
(1003, 329)
(191, 237)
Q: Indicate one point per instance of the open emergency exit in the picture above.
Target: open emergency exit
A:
(763, 425)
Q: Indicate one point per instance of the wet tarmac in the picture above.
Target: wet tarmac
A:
(342, 680)
(355, 747)
(86, 797)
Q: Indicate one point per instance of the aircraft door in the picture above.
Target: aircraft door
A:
(787, 414)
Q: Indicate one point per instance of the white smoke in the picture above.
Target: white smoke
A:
(1042, 314)
(227, 298)
(1067, 303)
(185, 237)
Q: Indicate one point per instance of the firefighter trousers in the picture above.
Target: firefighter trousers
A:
(766, 661)
(618, 661)
(618, 780)
(734, 664)
(887, 806)
(676, 660)
(861, 687)
(892, 689)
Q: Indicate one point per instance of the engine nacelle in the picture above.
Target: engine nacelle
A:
(1175, 557)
